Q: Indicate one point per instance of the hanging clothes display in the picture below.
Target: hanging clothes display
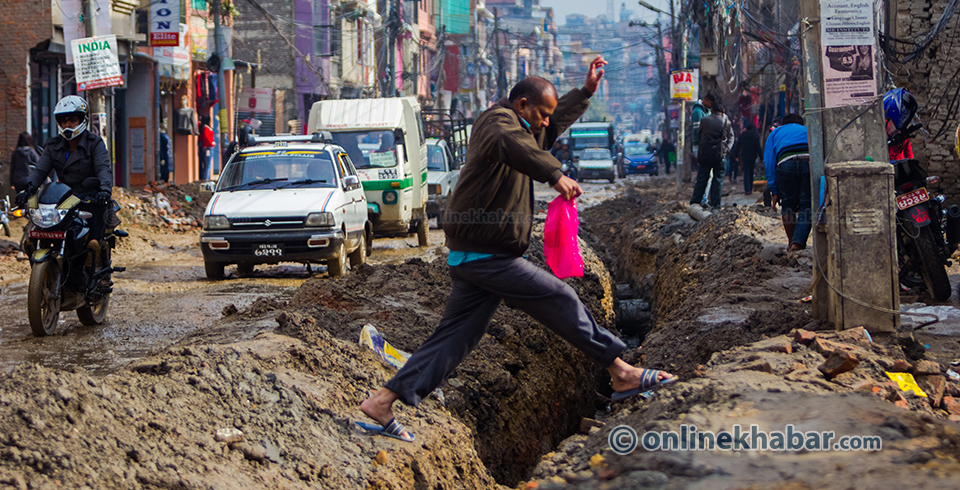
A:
(207, 95)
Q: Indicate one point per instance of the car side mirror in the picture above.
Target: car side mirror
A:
(351, 181)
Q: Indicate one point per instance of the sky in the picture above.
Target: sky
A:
(561, 8)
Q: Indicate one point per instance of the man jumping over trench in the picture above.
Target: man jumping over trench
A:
(508, 150)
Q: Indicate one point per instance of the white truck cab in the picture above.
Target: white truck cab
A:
(384, 139)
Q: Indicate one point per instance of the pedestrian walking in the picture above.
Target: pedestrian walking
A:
(166, 154)
(24, 158)
(668, 154)
(207, 143)
(700, 110)
(508, 149)
(747, 149)
(786, 159)
(716, 139)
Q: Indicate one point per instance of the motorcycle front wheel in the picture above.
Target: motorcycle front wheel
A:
(43, 298)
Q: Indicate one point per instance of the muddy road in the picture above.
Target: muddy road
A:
(163, 298)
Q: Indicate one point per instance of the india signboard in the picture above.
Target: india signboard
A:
(97, 63)
(165, 22)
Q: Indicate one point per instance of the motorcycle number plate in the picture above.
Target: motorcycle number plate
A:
(269, 250)
(48, 235)
(912, 198)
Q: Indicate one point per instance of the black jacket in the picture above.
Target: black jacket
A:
(23, 158)
(90, 160)
(491, 210)
(749, 146)
(716, 138)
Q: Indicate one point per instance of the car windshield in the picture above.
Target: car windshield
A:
(435, 158)
(273, 168)
(595, 155)
(634, 150)
(369, 149)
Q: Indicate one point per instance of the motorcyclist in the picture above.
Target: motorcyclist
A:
(899, 107)
(76, 155)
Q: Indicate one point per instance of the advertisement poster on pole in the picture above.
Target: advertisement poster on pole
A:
(848, 41)
(97, 62)
(685, 84)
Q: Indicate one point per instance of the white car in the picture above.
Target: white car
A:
(290, 199)
(442, 176)
(597, 163)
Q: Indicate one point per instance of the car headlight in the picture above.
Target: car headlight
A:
(215, 222)
(320, 219)
(390, 197)
(47, 215)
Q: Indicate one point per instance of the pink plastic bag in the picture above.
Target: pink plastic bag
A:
(560, 245)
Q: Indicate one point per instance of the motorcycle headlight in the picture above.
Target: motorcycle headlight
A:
(215, 222)
(47, 215)
(320, 219)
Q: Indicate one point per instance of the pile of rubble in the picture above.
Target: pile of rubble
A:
(178, 208)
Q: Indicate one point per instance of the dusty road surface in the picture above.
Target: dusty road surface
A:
(255, 382)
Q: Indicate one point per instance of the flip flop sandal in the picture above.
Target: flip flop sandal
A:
(648, 381)
(393, 429)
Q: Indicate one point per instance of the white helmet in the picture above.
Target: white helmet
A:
(71, 105)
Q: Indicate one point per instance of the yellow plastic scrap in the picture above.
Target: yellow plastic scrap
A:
(596, 461)
(906, 382)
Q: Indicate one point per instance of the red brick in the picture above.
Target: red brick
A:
(839, 362)
(938, 385)
(804, 337)
(900, 366)
(927, 367)
(951, 404)
(825, 347)
(858, 334)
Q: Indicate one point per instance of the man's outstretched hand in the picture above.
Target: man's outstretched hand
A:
(568, 188)
(594, 74)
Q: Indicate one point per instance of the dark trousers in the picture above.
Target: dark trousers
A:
(703, 174)
(748, 176)
(793, 182)
(478, 288)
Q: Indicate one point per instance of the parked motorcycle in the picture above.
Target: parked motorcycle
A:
(570, 168)
(5, 210)
(69, 269)
(926, 233)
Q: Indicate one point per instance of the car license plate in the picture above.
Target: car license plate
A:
(269, 250)
(48, 235)
(912, 198)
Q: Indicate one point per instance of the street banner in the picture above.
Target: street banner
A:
(97, 62)
(848, 41)
(165, 22)
(685, 84)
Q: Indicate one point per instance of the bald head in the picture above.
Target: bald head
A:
(533, 89)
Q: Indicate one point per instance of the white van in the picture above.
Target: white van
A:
(384, 139)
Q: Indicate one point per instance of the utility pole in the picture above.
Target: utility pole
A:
(501, 80)
(664, 80)
(223, 113)
(390, 89)
(95, 97)
(852, 244)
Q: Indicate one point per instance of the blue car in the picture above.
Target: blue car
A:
(637, 160)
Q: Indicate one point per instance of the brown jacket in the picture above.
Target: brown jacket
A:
(491, 210)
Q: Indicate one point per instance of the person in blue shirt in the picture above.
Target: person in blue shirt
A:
(786, 159)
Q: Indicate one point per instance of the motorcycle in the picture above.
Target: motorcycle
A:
(927, 234)
(70, 269)
(570, 168)
(5, 211)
